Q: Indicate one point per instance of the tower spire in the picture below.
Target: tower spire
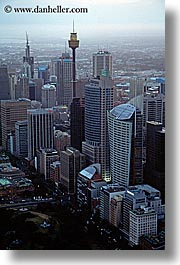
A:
(65, 47)
(27, 41)
(73, 26)
(74, 44)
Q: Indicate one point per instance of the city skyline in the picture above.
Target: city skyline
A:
(87, 172)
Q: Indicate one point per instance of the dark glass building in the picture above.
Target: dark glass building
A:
(4, 83)
(77, 122)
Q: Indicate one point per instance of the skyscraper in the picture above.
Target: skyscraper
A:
(11, 112)
(77, 122)
(61, 140)
(134, 198)
(4, 83)
(45, 157)
(142, 222)
(21, 139)
(64, 79)
(28, 61)
(106, 194)
(48, 96)
(102, 60)
(72, 161)
(98, 99)
(153, 108)
(125, 138)
(22, 88)
(155, 156)
(40, 130)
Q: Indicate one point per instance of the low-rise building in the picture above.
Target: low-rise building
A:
(89, 183)
(153, 242)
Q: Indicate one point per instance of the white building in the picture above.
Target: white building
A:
(125, 139)
(142, 222)
(48, 96)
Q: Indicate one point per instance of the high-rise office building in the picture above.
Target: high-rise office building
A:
(64, 79)
(40, 130)
(142, 222)
(153, 108)
(28, 61)
(106, 194)
(155, 156)
(43, 73)
(22, 88)
(21, 139)
(126, 145)
(4, 83)
(48, 96)
(45, 157)
(136, 86)
(72, 161)
(61, 140)
(11, 112)
(55, 171)
(134, 198)
(116, 210)
(102, 60)
(13, 84)
(32, 90)
(98, 99)
(77, 109)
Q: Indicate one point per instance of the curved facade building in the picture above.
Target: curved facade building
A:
(125, 138)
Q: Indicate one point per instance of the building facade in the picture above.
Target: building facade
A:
(77, 110)
(40, 130)
(107, 193)
(45, 157)
(21, 139)
(5, 92)
(63, 72)
(98, 99)
(72, 161)
(11, 112)
(102, 60)
(126, 145)
(48, 96)
(142, 222)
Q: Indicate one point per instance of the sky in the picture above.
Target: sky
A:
(105, 19)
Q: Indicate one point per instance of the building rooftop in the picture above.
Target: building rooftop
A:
(143, 211)
(39, 111)
(123, 111)
(48, 87)
(88, 172)
(5, 182)
(110, 188)
(155, 240)
(148, 189)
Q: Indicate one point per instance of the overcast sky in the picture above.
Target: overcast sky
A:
(104, 18)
